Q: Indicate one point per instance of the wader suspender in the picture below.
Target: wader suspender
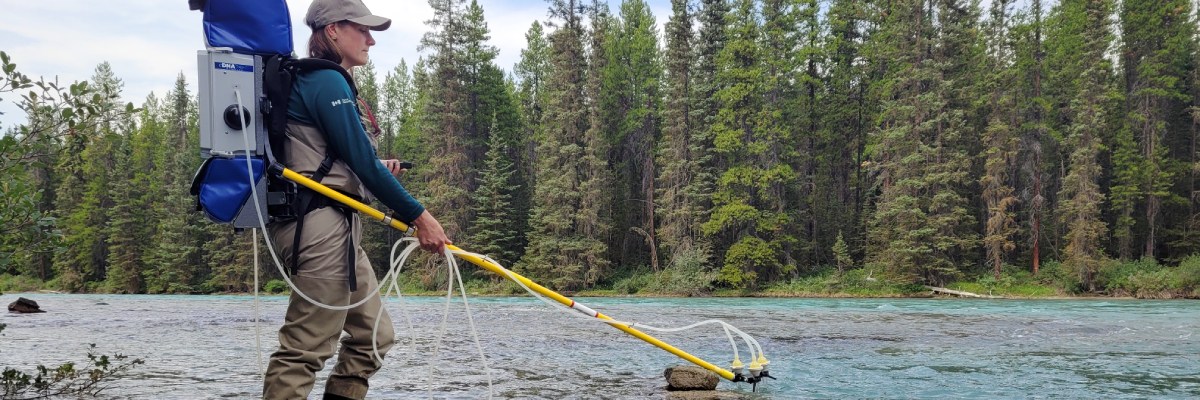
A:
(307, 201)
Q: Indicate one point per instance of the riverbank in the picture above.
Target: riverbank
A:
(1144, 279)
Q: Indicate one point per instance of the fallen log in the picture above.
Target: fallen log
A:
(961, 293)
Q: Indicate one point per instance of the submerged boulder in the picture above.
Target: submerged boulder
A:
(690, 377)
(24, 306)
(707, 395)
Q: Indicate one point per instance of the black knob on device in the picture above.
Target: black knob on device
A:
(233, 120)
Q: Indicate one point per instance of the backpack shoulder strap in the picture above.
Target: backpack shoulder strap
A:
(279, 74)
(312, 64)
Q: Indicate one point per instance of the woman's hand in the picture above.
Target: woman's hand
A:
(394, 166)
(430, 233)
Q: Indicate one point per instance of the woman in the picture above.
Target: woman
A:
(324, 119)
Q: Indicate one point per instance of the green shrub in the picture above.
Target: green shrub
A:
(276, 286)
(1150, 284)
(1055, 275)
(633, 284)
(1116, 277)
(1014, 282)
(688, 274)
(1189, 274)
(18, 283)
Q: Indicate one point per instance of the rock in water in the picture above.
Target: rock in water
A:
(707, 395)
(690, 377)
(24, 306)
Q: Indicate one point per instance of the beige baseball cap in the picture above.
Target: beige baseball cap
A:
(325, 12)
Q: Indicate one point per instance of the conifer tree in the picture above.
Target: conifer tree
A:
(1000, 141)
(750, 139)
(807, 59)
(677, 211)
(1157, 46)
(561, 250)
(173, 260)
(953, 142)
(597, 215)
(448, 177)
(901, 236)
(72, 208)
(85, 242)
(1029, 55)
(531, 73)
(397, 98)
(229, 255)
(134, 191)
(367, 82)
(711, 39)
(846, 116)
(483, 82)
(1080, 195)
(495, 231)
(630, 87)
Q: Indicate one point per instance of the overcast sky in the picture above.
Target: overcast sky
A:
(149, 42)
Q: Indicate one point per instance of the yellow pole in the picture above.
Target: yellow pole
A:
(485, 264)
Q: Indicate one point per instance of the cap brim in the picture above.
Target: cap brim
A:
(375, 22)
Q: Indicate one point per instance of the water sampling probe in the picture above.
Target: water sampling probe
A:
(240, 181)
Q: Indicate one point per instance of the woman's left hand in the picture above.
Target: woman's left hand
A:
(394, 167)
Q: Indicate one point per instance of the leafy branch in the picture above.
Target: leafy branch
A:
(65, 379)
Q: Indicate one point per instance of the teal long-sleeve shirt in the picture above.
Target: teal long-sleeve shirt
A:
(322, 98)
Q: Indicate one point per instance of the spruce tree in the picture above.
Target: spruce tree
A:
(1000, 141)
(1029, 58)
(1080, 195)
(1157, 46)
(899, 233)
(950, 168)
(677, 212)
(711, 40)
(447, 179)
(130, 221)
(752, 140)
(846, 116)
(561, 250)
(531, 73)
(173, 256)
(597, 215)
(805, 121)
(85, 242)
(630, 92)
(495, 231)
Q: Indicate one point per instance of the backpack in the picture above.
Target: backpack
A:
(249, 51)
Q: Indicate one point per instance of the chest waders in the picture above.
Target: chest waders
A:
(278, 79)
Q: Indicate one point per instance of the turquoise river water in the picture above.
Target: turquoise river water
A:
(203, 347)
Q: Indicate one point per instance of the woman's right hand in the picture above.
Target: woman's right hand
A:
(430, 233)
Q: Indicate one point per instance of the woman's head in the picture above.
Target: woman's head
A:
(342, 31)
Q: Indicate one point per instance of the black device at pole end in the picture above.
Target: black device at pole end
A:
(406, 164)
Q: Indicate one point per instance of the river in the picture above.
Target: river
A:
(203, 347)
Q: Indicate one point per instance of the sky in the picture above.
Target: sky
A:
(149, 42)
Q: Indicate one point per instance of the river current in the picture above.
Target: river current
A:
(204, 347)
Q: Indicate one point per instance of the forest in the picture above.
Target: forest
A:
(802, 147)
